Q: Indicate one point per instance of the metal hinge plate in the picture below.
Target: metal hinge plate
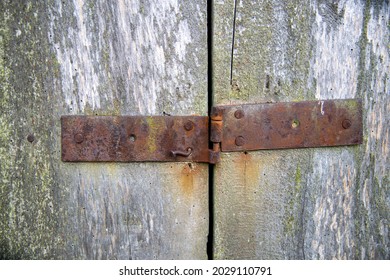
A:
(233, 128)
(291, 125)
(135, 138)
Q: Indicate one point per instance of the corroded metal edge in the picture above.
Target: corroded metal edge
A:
(291, 125)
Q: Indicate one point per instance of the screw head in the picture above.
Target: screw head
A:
(30, 138)
(240, 141)
(79, 138)
(239, 114)
(189, 125)
(346, 124)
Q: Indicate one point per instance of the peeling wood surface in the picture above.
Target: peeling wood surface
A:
(98, 58)
(328, 203)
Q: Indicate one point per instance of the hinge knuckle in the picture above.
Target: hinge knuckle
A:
(214, 156)
(216, 131)
(216, 128)
(216, 113)
(216, 124)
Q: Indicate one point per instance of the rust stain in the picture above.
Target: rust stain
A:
(249, 170)
(243, 174)
(186, 174)
(186, 179)
(252, 172)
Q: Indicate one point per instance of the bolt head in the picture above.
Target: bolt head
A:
(239, 114)
(79, 138)
(240, 141)
(346, 124)
(189, 125)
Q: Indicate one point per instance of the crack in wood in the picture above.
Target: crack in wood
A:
(233, 36)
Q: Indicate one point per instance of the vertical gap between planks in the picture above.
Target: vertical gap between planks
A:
(210, 241)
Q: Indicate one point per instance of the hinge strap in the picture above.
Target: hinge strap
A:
(287, 125)
(135, 138)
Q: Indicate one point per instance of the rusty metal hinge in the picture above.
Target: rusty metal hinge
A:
(245, 127)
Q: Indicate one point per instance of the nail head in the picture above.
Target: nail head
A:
(189, 125)
(239, 114)
(79, 138)
(346, 124)
(240, 141)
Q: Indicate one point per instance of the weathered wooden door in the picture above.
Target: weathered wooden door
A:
(99, 58)
(328, 203)
(151, 58)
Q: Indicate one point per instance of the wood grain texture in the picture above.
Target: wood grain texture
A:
(99, 58)
(328, 203)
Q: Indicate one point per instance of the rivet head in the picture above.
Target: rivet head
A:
(79, 138)
(240, 141)
(239, 114)
(346, 124)
(189, 125)
(30, 138)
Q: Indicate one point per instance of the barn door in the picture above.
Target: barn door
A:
(99, 58)
(319, 203)
(151, 58)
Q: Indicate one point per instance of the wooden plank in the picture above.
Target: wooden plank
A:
(328, 203)
(99, 58)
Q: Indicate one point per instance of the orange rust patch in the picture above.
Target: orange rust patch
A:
(238, 184)
(252, 173)
(249, 170)
(187, 172)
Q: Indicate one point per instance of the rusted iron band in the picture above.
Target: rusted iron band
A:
(291, 125)
(134, 138)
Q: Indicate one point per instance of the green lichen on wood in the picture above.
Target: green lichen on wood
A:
(28, 221)
(294, 208)
(5, 138)
(361, 83)
(371, 210)
(271, 57)
(300, 23)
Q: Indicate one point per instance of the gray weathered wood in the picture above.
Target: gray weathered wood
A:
(103, 58)
(328, 203)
